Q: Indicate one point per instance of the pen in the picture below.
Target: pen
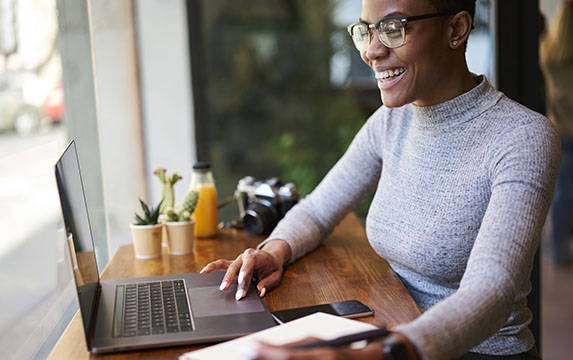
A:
(347, 339)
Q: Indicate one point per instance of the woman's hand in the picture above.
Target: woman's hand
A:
(267, 351)
(373, 351)
(266, 264)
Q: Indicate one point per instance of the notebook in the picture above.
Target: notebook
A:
(320, 325)
(148, 312)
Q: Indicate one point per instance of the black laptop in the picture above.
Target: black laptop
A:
(159, 311)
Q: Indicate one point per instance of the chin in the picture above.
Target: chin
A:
(391, 101)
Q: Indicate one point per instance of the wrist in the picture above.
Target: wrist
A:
(397, 347)
(279, 250)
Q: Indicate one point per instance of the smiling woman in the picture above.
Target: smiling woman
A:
(462, 179)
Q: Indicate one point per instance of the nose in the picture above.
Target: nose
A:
(376, 49)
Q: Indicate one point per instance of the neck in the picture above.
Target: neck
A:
(457, 80)
(458, 110)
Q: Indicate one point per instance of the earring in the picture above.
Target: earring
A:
(455, 43)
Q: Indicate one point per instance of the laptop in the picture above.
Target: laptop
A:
(148, 312)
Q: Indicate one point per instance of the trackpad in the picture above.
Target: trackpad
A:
(210, 301)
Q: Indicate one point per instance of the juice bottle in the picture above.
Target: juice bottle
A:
(205, 213)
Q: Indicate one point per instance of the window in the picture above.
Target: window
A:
(37, 76)
(480, 54)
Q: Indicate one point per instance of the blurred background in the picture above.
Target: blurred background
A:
(256, 87)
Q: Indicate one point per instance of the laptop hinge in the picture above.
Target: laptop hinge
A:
(93, 316)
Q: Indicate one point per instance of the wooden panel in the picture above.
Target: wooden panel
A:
(344, 268)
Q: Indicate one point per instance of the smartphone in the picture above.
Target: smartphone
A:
(348, 309)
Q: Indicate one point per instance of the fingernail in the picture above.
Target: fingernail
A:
(241, 277)
(223, 285)
(201, 272)
(263, 292)
(248, 353)
(239, 294)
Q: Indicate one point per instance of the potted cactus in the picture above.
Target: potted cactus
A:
(179, 223)
(147, 232)
(167, 194)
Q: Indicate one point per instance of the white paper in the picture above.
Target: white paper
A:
(320, 325)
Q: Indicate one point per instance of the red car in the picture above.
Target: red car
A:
(53, 105)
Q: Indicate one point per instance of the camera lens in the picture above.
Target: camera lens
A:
(260, 218)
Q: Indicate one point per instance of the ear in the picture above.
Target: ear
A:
(459, 29)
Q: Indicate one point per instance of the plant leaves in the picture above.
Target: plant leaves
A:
(146, 210)
(140, 221)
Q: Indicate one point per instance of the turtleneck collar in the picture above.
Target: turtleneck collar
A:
(459, 109)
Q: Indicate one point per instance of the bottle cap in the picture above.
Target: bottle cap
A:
(202, 166)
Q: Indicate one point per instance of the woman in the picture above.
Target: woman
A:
(463, 179)
(557, 65)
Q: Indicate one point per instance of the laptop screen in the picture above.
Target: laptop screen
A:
(79, 235)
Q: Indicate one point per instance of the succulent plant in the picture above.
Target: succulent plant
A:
(183, 211)
(150, 214)
(167, 192)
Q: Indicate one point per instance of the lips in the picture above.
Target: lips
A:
(388, 78)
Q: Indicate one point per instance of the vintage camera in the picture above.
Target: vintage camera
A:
(263, 203)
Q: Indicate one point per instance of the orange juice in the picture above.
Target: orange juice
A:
(205, 213)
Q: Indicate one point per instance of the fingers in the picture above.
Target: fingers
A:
(228, 265)
(268, 283)
(306, 340)
(248, 263)
(268, 351)
(262, 291)
(245, 274)
(216, 266)
(231, 273)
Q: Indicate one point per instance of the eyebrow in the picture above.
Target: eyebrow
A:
(392, 14)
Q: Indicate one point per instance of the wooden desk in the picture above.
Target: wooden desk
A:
(344, 268)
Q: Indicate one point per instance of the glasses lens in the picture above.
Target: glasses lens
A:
(360, 36)
(392, 33)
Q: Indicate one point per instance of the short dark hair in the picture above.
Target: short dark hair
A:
(455, 6)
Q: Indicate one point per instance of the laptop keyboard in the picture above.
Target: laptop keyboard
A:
(153, 308)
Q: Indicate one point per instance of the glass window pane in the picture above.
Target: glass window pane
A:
(36, 79)
(34, 269)
(480, 52)
(286, 89)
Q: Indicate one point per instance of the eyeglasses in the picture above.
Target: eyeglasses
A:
(391, 30)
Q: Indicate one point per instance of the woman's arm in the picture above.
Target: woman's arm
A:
(350, 181)
(523, 171)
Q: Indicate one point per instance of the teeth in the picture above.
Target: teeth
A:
(387, 74)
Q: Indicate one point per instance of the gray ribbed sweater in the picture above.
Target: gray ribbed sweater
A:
(462, 189)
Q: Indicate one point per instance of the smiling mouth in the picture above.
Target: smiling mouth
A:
(390, 74)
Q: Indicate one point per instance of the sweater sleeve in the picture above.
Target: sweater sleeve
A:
(350, 181)
(522, 169)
